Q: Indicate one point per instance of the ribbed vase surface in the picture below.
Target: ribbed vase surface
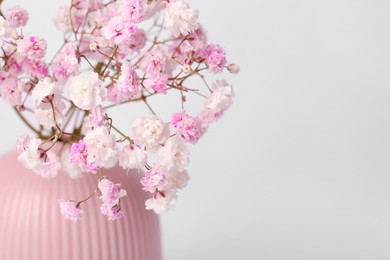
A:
(31, 226)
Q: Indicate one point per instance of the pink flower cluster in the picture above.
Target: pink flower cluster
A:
(110, 58)
(111, 193)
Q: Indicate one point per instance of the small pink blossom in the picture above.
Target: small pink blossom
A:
(119, 30)
(137, 41)
(112, 213)
(134, 10)
(79, 155)
(157, 61)
(66, 63)
(215, 57)
(70, 210)
(36, 68)
(10, 91)
(198, 38)
(157, 83)
(96, 118)
(32, 47)
(111, 192)
(188, 127)
(128, 85)
(17, 17)
(155, 179)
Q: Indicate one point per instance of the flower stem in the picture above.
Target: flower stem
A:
(26, 121)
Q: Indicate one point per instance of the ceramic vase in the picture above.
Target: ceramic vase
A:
(31, 226)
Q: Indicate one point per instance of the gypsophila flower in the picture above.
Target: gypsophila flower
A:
(174, 154)
(52, 167)
(132, 157)
(30, 154)
(10, 91)
(150, 131)
(79, 156)
(101, 147)
(17, 16)
(221, 98)
(96, 118)
(112, 213)
(43, 91)
(177, 180)
(119, 30)
(161, 203)
(111, 193)
(46, 116)
(180, 18)
(188, 127)
(66, 63)
(86, 92)
(127, 85)
(154, 180)
(62, 20)
(215, 57)
(156, 62)
(32, 47)
(70, 211)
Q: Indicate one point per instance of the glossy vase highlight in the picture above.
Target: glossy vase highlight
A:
(31, 226)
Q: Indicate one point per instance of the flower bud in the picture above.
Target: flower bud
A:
(233, 68)
(93, 46)
(186, 68)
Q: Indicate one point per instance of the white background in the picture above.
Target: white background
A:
(298, 168)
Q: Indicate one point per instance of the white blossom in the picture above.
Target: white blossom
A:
(174, 154)
(87, 93)
(161, 204)
(177, 180)
(29, 155)
(132, 157)
(180, 18)
(221, 98)
(101, 147)
(62, 19)
(51, 168)
(150, 131)
(45, 116)
(43, 89)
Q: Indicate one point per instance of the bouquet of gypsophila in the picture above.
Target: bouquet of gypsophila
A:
(114, 52)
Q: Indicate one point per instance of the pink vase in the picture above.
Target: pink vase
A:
(31, 226)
